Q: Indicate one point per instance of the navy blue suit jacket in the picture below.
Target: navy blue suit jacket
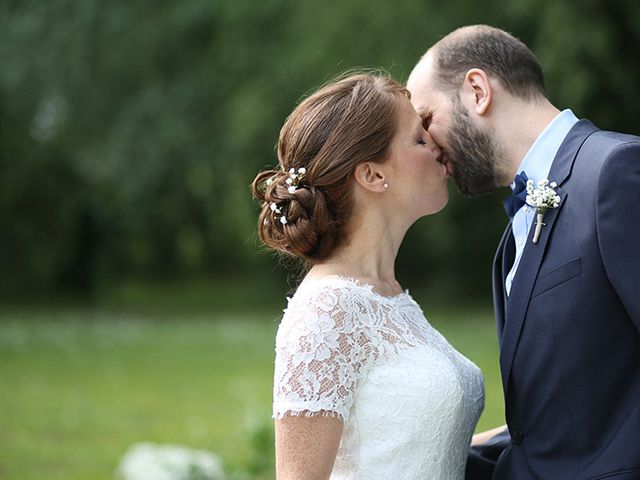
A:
(570, 329)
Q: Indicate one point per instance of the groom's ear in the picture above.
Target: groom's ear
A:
(479, 89)
(370, 177)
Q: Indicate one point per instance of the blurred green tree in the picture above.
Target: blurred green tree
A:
(130, 131)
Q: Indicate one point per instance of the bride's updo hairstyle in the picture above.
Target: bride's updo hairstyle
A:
(306, 201)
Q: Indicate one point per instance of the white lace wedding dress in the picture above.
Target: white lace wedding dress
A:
(408, 400)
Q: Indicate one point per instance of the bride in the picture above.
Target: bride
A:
(364, 387)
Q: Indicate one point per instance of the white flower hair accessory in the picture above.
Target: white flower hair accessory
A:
(294, 179)
(277, 210)
(541, 197)
(293, 183)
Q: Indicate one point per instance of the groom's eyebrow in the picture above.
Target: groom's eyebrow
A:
(425, 115)
(421, 110)
(425, 111)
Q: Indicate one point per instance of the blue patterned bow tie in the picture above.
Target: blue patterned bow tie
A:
(518, 197)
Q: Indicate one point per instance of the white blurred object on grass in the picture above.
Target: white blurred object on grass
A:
(149, 461)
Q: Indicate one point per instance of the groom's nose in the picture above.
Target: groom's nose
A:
(437, 150)
(432, 139)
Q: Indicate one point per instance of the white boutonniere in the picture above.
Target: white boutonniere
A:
(542, 198)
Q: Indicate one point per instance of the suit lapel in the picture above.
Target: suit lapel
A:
(498, 282)
(522, 286)
(533, 254)
(509, 254)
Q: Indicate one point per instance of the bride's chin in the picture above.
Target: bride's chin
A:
(444, 204)
(437, 205)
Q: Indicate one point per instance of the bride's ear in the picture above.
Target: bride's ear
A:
(478, 89)
(370, 177)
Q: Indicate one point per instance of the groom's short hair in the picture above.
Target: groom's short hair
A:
(498, 53)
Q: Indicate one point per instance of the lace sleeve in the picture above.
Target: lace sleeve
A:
(320, 351)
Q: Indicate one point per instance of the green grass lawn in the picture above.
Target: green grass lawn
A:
(80, 386)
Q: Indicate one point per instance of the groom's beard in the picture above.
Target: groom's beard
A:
(473, 154)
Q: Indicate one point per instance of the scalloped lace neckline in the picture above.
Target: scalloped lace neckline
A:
(354, 282)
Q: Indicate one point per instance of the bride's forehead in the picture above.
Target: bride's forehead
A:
(406, 113)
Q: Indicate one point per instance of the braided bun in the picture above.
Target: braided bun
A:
(345, 123)
(310, 228)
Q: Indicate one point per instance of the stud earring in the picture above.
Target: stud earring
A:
(386, 185)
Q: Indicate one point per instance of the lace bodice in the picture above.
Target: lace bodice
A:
(408, 400)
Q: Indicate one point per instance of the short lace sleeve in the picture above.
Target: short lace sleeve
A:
(320, 352)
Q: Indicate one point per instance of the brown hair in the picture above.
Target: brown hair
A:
(495, 51)
(348, 121)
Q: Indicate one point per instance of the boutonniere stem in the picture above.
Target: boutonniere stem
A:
(539, 225)
(542, 197)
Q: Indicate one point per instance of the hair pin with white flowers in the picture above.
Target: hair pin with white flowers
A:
(293, 182)
(275, 209)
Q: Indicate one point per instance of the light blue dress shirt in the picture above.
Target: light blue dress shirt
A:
(537, 164)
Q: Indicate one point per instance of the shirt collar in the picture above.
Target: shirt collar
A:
(537, 162)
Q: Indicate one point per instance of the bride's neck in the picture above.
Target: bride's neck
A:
(368, 253)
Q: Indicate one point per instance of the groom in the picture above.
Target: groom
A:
(567, 303)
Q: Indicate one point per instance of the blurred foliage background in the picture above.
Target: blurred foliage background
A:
(130, 130)
(129, 134)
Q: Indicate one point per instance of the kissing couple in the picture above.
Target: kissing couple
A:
(365, 387)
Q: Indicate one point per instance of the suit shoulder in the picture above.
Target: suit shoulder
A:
(613, 140)
(602, 145)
